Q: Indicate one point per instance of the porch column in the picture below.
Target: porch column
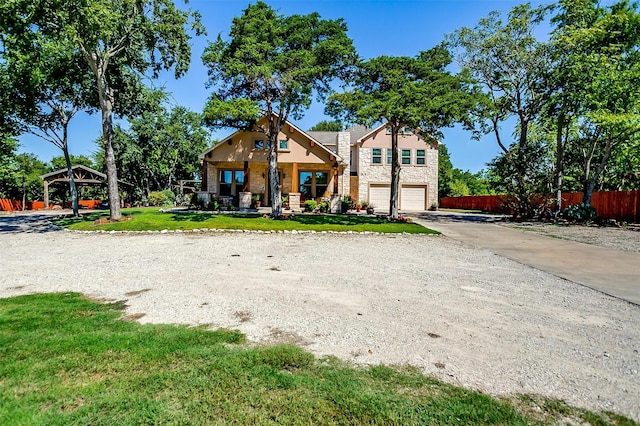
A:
(46, 194)
(295, 179)
(246, 187)
(335, 178)
(203, 184)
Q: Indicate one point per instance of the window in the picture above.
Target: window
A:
(406, 156)
(258, 144)
(420, 156)
(313, 184)
(284, 144)
(376, 156)
(231, 182)
(322, 179)
(389, 155)
(267, 145)
(306, 184)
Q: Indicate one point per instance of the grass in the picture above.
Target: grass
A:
(70, 360)
(151, 219)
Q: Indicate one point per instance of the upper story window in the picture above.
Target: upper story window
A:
(403, 131)
(389, 155)
(284, 144)
(376, 155)
(406, 156)
(258, 144)
(420, 156)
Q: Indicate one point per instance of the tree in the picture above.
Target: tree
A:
(159, 148)
(515, 70)
(119, 40)
(598, 102)
(327, 126)
(52, 84)
(405, 92)
(271, 67)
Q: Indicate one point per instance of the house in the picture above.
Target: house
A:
(330, 165)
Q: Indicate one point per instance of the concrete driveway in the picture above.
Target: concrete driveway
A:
(613, 272)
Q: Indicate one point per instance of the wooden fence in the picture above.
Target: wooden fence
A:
(16, 205)
(619, 205)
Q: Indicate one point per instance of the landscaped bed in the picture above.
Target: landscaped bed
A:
(153, 219)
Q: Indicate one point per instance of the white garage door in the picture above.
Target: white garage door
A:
(413, 198)
(379, 196)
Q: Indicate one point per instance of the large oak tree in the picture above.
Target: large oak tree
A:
(271, 66)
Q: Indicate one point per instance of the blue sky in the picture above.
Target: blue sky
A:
(377, 27)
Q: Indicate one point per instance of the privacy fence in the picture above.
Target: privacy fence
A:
(16, 205)
(618, 205)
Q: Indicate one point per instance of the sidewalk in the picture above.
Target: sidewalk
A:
(612, 272)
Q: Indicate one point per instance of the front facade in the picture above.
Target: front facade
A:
(322, 165)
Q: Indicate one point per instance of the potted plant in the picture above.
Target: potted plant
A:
(369, 208)
(256, 201)
(285, 202)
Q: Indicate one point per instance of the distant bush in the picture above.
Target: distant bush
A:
(160, 198)
(583, 213)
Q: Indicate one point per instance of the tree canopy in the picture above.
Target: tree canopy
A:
(271, 66)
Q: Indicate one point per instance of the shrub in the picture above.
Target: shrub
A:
(582, 213)
(170, 195)
(324, 207)
(213, 204)
(310, 205)
(347, 203)
(158, 198)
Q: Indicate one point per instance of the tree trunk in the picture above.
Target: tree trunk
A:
(72, 182)
(559, 163)
(106, 105)
(275, 194)
(395, 173)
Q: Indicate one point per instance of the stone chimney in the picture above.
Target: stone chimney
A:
(343, 146)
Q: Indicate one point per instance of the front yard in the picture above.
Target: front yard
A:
(152, 219)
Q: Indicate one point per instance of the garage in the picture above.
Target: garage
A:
(413, 197)
(379, 196)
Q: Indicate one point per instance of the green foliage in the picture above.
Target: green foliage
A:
(347, 203)
(324, 207)
(310, 205)
(405, 92)
(582, 213)
(453, 182)
(161, 198)
(159, 148)
(271, 67)
(327, 126)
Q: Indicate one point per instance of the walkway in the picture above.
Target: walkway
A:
(613, 272)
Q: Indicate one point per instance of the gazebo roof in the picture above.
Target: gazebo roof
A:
(81, 174)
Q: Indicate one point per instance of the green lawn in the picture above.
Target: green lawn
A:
(68, 360)
(145, 219)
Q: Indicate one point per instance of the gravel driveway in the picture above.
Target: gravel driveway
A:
(463, 315)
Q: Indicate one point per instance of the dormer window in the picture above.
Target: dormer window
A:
(258, 144)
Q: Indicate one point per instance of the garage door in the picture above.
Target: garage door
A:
(379, 196)
(413, 198)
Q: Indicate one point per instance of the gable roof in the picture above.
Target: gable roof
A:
(64, 173)
(308, 135)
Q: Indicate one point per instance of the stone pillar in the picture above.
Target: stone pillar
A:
(294, 201)
(244, 201)
(344, 174)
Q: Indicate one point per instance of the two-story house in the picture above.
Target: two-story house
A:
(314, 165)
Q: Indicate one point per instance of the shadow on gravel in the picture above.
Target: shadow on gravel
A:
(26, 223)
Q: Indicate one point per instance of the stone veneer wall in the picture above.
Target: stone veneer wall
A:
(344, 151)
(428, 174)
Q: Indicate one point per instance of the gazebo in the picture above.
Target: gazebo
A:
(81, 175)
